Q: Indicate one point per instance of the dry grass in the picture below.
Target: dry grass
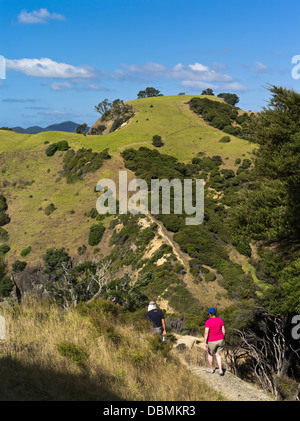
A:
(88, 354)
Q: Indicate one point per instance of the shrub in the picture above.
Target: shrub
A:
(244, 248)
(3, 204)
(62, 145)
(75, 353)
(81, 250)
(4, 249)
(95, 234)
(54, 258)
(18, 266)
(98, 130)
(50, 151)
(25, 251)
(225, 139)
(4, 218)
(6, 286)
(3, 234)
(156, 141)
(210, 277)
(49, 209)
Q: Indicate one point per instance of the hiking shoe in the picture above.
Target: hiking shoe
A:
(221, 373)
(210, 371)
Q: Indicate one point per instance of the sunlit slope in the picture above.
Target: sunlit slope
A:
(183, 132)
(30, 180)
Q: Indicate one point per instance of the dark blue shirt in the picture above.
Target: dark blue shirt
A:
(155, 316)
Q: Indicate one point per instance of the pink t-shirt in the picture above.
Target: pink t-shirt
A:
(215, 329)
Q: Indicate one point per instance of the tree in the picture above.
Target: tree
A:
(231, 99)
(149, 92)
(208, 91)
(156, 141)
(71, 284)
(81, 128)
(268, 213)
(103, 107)
(270, 349)
(95, 234)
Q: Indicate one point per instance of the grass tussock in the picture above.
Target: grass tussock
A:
(89, 353)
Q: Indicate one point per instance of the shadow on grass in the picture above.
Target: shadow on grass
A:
(19, 382)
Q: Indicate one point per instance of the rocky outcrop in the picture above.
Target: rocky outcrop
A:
(31, 281)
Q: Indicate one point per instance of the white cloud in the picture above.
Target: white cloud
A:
(76, 85)
(47, 68)
(195, 85)
(20, 100)
(38, 16)
(234, 86)
(192, 77)
(258, 67)
(191, 72)
(60, 86)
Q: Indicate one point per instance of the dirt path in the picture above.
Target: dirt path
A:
(230, 386)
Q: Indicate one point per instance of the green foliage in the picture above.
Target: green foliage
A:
(4, 218)
(3, 203)
(77, 164)
(4, 248)
(103, 107)
(49, 209)
(75, 353)
(3, 235)
(225, 139)
(209, 277)
(231, 99)
(81, 128)
(25, 251)
(51, 149)
(18, 266)
(98, 130)
(62, 145)
(244, 248)
(149, 92)
(54, 258)
(156, 141)
(208, 91)
(116, 124)
(6, 284)
(96, 234)
(217, 114)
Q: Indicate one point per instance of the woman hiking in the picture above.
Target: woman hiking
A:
(214, 340)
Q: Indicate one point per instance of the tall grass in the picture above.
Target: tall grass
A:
(88, 354)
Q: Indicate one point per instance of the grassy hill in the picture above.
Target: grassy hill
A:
(52, 236)
(32, 180)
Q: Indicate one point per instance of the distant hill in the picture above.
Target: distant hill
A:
(66, 126)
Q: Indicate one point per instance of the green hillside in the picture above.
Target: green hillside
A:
(243, 259)
(31, 180)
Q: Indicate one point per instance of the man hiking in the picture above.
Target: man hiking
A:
(214, 340)
(157, 318)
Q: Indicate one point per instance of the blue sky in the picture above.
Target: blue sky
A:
(63, 58)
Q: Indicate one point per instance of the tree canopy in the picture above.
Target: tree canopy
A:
(149, 92)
